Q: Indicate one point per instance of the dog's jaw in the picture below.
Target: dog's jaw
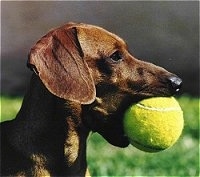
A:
(105, 118)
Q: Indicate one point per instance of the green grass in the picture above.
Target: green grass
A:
(106, 160)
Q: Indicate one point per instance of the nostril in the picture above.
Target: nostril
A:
(175, 83)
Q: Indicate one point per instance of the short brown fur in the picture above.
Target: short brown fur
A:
(84, 79)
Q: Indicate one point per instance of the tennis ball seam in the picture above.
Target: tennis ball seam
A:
(140, 105)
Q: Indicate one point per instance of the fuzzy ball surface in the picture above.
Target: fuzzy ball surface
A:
(154, 124)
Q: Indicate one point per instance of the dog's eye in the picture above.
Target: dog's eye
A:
(116, 56)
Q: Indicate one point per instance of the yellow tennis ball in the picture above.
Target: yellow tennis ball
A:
(154, 124)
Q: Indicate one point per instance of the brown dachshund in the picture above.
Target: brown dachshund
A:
(84, 79)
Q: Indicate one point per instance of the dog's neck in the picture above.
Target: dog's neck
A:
(57, 131)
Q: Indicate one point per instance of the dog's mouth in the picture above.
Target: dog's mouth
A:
(106, 118)
(111, 126)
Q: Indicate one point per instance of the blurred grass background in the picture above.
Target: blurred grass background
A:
(106, 160)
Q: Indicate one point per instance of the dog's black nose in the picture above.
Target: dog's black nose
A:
(175, 84)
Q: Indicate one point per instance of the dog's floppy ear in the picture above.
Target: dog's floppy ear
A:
(58, 59)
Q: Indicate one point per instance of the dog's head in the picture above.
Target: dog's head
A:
(91, 66)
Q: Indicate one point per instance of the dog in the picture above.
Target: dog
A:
(83, 80)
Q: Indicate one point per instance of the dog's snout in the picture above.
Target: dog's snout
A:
(175, 83)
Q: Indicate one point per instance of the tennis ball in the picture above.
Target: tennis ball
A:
(154, 124)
